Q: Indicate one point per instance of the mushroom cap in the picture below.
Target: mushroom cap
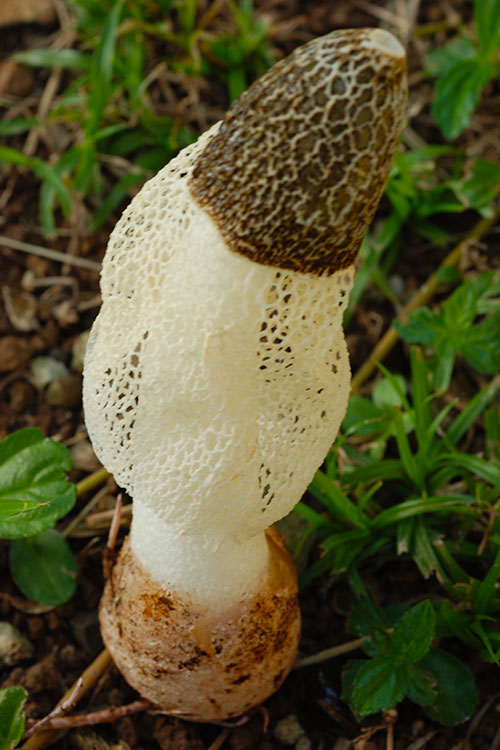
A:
(294, 174)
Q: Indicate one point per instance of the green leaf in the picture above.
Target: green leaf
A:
(32, 470)
(486, 470)
(12, 507)
(441, 59)
(487, 16)
(413, 633)
(421, 689)
(456, 694)
(43, 567)
(487, 588)
(457, 94)
(42, 170)
(336, 501)
(423, 327)
(101, 70)
(374, 685)
(386, 393)
(472, 411)
(49, 58)
(481, 187)
(412, 467)
(12, 721)
(17, 125)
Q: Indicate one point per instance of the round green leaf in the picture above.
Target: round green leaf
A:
(33, 483)
(43, 567)
(456, 693)
(12, 720)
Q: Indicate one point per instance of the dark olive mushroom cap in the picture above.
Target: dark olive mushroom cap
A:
(294, 174)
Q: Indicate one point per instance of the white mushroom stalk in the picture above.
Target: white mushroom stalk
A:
(217, 375)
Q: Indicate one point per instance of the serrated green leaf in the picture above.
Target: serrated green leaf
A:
(457, 94)
(374, 685)
(413, 633)
(481, 186)
(368, 619)
(456, 693)
(423, 327)
(43, 567)
(33, 470)
(12, 721)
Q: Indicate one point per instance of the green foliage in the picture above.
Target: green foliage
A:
(121, 138)
(454, 329)
(34, 494)
(247, 54)
(464, 68)
(405, 488)
(12, 721)
(393, 495)
(43, 567)
(418, 197)
(403, 663)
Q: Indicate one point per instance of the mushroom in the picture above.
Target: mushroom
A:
(216, 373)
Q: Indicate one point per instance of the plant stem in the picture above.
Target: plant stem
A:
(88, 679)
(91, 482)
(424, 294)
(329, 653)
(46, 252)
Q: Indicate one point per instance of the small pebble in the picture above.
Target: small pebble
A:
(46, 369)
(83, 456)
(397, 285)
(14, 352)
(342, 744)
(14, 646)
(288, 730)
(15, 79)
(21, 396)
(65, 391)
(304, 743)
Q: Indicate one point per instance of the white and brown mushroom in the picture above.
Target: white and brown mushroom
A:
(217, 375)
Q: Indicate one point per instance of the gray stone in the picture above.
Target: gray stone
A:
(14, 646)
(288, 730)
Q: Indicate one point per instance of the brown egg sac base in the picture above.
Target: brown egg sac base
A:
(193, 664)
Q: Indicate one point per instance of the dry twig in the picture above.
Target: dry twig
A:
(329, 653)
(105, 716)
(108, 559)
(89, 677)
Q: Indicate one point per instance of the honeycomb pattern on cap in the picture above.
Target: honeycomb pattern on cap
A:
(298, 166)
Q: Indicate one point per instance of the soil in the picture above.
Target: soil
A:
(46, 308)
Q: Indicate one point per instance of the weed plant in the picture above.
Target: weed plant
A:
(108, 109)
